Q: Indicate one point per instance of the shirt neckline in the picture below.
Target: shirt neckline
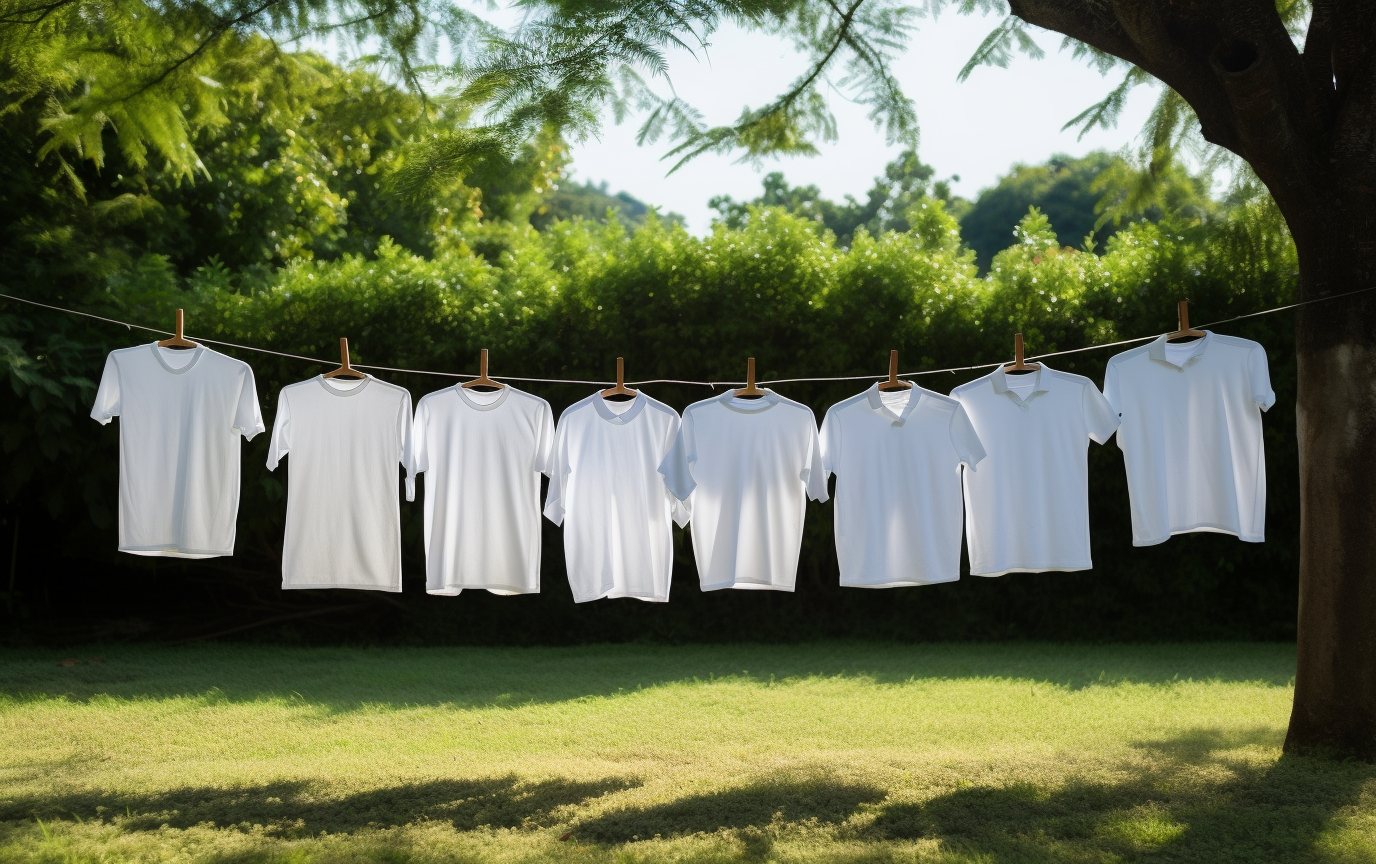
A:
(600, 404)
(335, 391)
(1156, 349)
(1000, 379)
(162, 361)
(479, 406)
(768, 400)
(898, 419)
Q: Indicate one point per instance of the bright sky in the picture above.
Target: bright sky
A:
(977, 129)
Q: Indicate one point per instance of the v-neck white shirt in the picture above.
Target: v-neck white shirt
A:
(482, 455)
(897, 458)
(1027, 506)
(1191, 436)
(181, 412)
(749, 466)
(606, 490)
(346, 440)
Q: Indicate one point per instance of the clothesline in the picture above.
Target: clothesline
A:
(713, 384)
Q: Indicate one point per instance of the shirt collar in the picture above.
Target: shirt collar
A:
(1156, 349)
(876, 401)
(1000, 380)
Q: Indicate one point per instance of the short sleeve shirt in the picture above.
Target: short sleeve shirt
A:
(347, 441)
(897, 458)
(1191, 436)
(749, 466)
(606, 490)
(1027, 505)
(181, 414)
(482, 455)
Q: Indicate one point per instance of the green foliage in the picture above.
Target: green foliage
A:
(886, 208)
(586, 201)
(1085, 198)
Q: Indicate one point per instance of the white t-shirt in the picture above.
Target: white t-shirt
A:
(606, 490)
(482, 455)
(1191, 436)
(180, 414)
(346, 439)
(897, 456)
(749, 465)
(1027, 507)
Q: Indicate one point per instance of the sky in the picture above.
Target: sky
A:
(976, 129)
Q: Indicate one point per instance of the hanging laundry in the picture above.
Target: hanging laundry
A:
(482, 454)
(897, 458)
(346, 439)
(1027, 504)
(181, 412)
(606, 490)
(1191, 435)
(749, 465)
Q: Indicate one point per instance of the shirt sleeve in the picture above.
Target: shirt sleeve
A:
(248, 417)
(1100, 418)
(559, 470)
(1111, 392)
(1261, 378)
(969, 449)
(544, 440)
(677, 465)
(420, 441)
(680, 511)
(813, 475)
(280, 443)
(830, 439)
(108, 395)
(406, 434)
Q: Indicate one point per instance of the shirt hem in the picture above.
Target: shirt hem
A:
(747, 586)
(456, 590)
(176, 551)
(1202, 528)
(902, 583)
(351, 586)
(1033, 568)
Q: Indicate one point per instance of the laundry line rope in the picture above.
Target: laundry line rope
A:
(713, 384)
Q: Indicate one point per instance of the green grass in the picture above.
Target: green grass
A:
(815, 753)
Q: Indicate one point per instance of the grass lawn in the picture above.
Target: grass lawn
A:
(810, 753)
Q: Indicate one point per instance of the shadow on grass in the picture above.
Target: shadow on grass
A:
(343, 679)
(294, 809)
(755, 806)
(1274, 813)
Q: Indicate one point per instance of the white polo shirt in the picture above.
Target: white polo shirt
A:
(1191, 436)
(606, 490)
(750, 465)
(897, 457)
(1027, 507)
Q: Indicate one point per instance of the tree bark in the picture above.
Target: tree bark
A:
(1306, 123)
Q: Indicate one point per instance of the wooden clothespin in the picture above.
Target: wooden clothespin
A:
(1017, 367)
(1185, 334)
(482, 380)
(620, 392)
(177, 341)
(344, 370)
(893, 383)
(749, 391)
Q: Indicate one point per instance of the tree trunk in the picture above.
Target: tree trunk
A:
(1335, 682)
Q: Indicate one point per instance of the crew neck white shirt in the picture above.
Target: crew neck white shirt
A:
(897, 458)
(1027, 506)
(749, 466)
(482, 455)
(1191, 436)
(181, 412)
(606, 490)
(346, 439)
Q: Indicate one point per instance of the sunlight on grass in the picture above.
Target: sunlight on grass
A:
(833, 752)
